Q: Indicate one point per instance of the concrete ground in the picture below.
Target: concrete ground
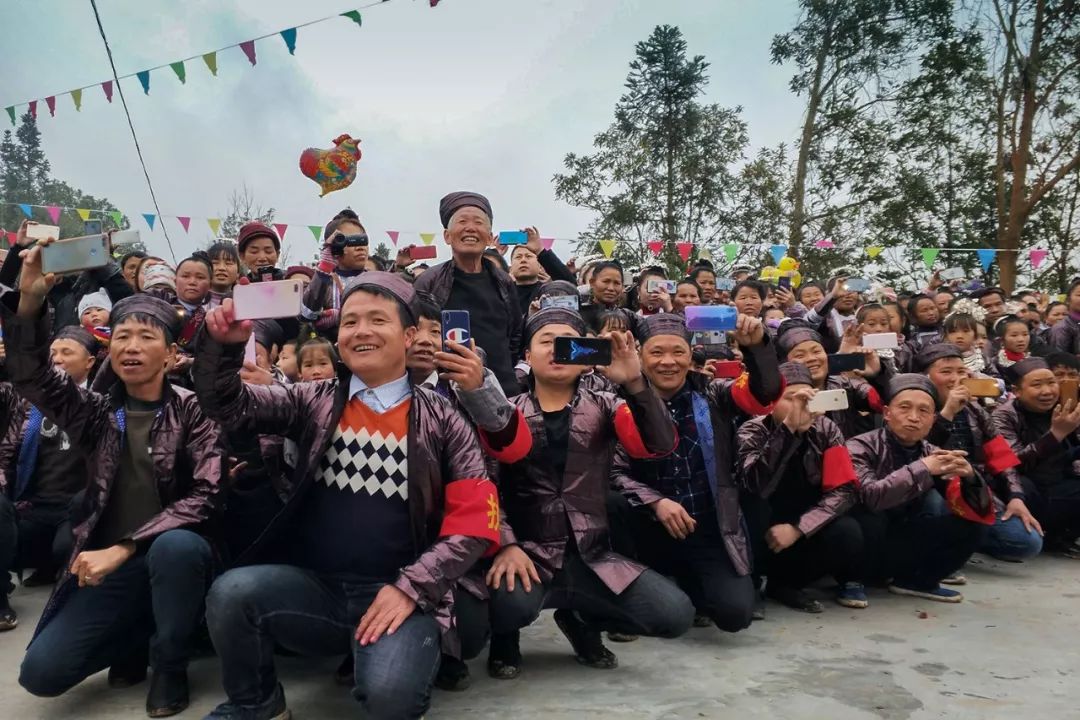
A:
(1011, 650)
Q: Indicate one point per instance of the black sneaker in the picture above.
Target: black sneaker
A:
(130, 671)
(587, 643)
(453, 674)
(701, 620)
(8, 619)
(168, 694)
(796, 599)
(273, 709)
(39, 578)
(504, 656)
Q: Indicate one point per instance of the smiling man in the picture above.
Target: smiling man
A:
(466, 282)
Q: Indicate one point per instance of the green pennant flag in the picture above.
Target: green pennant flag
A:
(117, 217)
(316, 231)
(11, 113)
(929, 255)
(178, 68)
(353, 15)
(730, 251)
(210, 59)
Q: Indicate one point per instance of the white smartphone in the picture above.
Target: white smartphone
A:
(881, 341)
(75, 255)
(268, 300)
(125, 237)
(667, 286)
(828, 400)
(37, 231)
(953, 273)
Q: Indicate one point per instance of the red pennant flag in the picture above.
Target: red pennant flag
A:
(249, 49)
(54, 213)
(11, 239)
(547, 243)
(51, 102)
(185, 222)
(655, 246)
(107, 87)
(33, 109)
(393, 236)
(684, 249)
(280, 229)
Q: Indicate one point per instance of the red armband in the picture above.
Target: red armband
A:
(873, 400)
(999, 456)
(630, 437)
(518, 449)
(745, 400)
(955, 498)
(837, 469)
(471, 508)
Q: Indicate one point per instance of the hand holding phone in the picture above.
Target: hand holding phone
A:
(846, 362)
(828, 400)
(880, 341)
(571, 350)
(423, 252)
(267, 300)
(455, 328)
(982, 387)
(859, 285)
(711, 317)
(75, 255)
(659, 284)
(37, 231)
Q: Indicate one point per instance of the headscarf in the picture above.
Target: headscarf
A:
(457, 200)
(552, 316)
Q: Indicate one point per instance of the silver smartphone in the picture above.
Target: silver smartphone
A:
(75, 255)
(828, 400)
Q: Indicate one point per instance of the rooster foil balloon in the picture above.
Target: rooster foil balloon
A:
(332, 169)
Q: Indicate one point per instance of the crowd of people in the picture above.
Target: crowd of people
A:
(366, 486)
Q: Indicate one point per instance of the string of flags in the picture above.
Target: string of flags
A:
(180, 70)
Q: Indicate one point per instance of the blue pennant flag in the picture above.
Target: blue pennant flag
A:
(150, 217)
(144, 78)
(289, 36)
(26, 210)
(986, 257)
(778, 253)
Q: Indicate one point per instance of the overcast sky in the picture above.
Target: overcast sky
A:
(486, 95)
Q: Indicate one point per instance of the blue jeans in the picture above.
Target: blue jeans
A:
(1005, 539)
(251, 610)
(159, 592)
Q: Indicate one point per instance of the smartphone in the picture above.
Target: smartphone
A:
(455, 328)
(1068, 391)
(570, 302)
(125, 237)
(843, 362)
(881, 341)
(423, 252)
(859, 285)
(657, 284)
(716, 352)
(828, 400)
(711, 317)
(40, 232)
(582, 351)
(725, 284)
(92, 227)
(784, 283)
(513, 237)
(249, 349)
(985, 387)
(953, 273)
(729, 369)
(268, 300)
(708, 337)
(76, 254)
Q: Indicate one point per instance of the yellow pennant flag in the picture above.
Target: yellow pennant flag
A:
(874, 250)
(607, 247)
(428, 238)
(76, 97)
(83, 213)
(215, 225)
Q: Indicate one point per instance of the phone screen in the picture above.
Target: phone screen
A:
(513, 237)
(582, 351)
(844, 362)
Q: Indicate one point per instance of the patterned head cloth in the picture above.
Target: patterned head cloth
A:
(158, 276)
(1016, 372)
(559, 288)
(552, 316)
(796, 374)
(789, 338)
(151, 306)
(664, 324)
(912, 381)
(80, 335)
(400, 288)
(457, 200)
(932, 353)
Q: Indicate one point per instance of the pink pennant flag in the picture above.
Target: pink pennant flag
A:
(249, 49)
(684, 249)
(656, 246)
(280, 229)
(11, 239)
(107, 87)
(51, 102)
(547, 243)
(185, 222)
(54, 213)
(1037, 255)
(393, 236)
(33, 109)
(824, 245)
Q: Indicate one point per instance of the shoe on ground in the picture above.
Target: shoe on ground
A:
(955, 579)
(852, 595)
(453, 674)
(937, 594)
(130, 671)
(796, 599)
(272, 709)
(168, 694)
(758, 613)
(1071, 550)
(588, 645)
(8, 619)
(344, 675)
(621, 637)
(701, 620)
(40, 578)
(504, 656)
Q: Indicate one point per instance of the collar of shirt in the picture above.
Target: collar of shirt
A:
(381, 398)
(431, 380)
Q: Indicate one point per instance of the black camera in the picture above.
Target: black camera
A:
(340, 241)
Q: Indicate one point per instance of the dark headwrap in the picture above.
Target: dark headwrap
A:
(559, 288)
(663, 324)
(552, 316)
(932, 353)
(912, 381)
(400, 288)
(142, 304)
(1016, 372)
(300, 270)
(80, 335)
(268, 333)
(796, 374)
(789, 338)
(457, 200)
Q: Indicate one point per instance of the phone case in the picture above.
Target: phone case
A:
(828, 400)
(880, 341)
(857, 284)
(711, 317)
(41, 232)
(76, 254)
(728, 369)
(1069, 391)
(456, 327)
(265, 300)
(424, 252)
(982, 387)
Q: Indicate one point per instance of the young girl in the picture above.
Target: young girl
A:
(193, 281)
(925, 322)
(287, 362)
(225, 264)
(1015, 339)
(317, 360)
(873, 319)
(962, 330)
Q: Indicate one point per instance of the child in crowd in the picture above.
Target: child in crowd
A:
(287, 361)
(962, 330)
(1015, 339)
(317, 360)
(94, 309)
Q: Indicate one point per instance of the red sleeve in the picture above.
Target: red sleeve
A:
(955, 498)
(519, 446)
(837, 469)
(627, 432)
(999, 456)
(745, 400)
(471, 508)
(873, 399)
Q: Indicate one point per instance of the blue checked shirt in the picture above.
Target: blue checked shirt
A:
(681, 475)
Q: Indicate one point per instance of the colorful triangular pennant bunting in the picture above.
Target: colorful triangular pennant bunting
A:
(11, 113)
(76, 97)
(393, 236)
(144, 80)
(280, 229)
(427, 238)
(655, 246)
(354, 15)
(210, 59)
(986, 258)
(731, 251)
(150, 217)
(107, 87)
(51, 103)
(1037, 255)
(778, 252)
(54, 213)
(929, 255)
(215, 225)
(547, 243)
(181, 73)
(289, 36)
(684, 249)
(83, 213)
(824, 245)
(316, 230)
(248, 46)
(185, 222)
(26, 210)
(33, 109)
(607, 247)
(874, 250)
(117, 217)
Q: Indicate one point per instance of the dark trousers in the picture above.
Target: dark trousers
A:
(835, 550)
(699, 564)
(473, 621)
(251, 610)
(916, 547)
(157, 595)
(651, 605)
(37, 538)
(1057, 509)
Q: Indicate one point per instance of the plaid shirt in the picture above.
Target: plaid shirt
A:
(681, 475)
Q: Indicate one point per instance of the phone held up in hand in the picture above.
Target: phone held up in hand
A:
(267, 300)
(75, 255)
(455, 328)
(571, 350)
(845, 362)
(711, 317)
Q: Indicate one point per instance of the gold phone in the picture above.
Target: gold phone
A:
(982, 387)
(1069, 391)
